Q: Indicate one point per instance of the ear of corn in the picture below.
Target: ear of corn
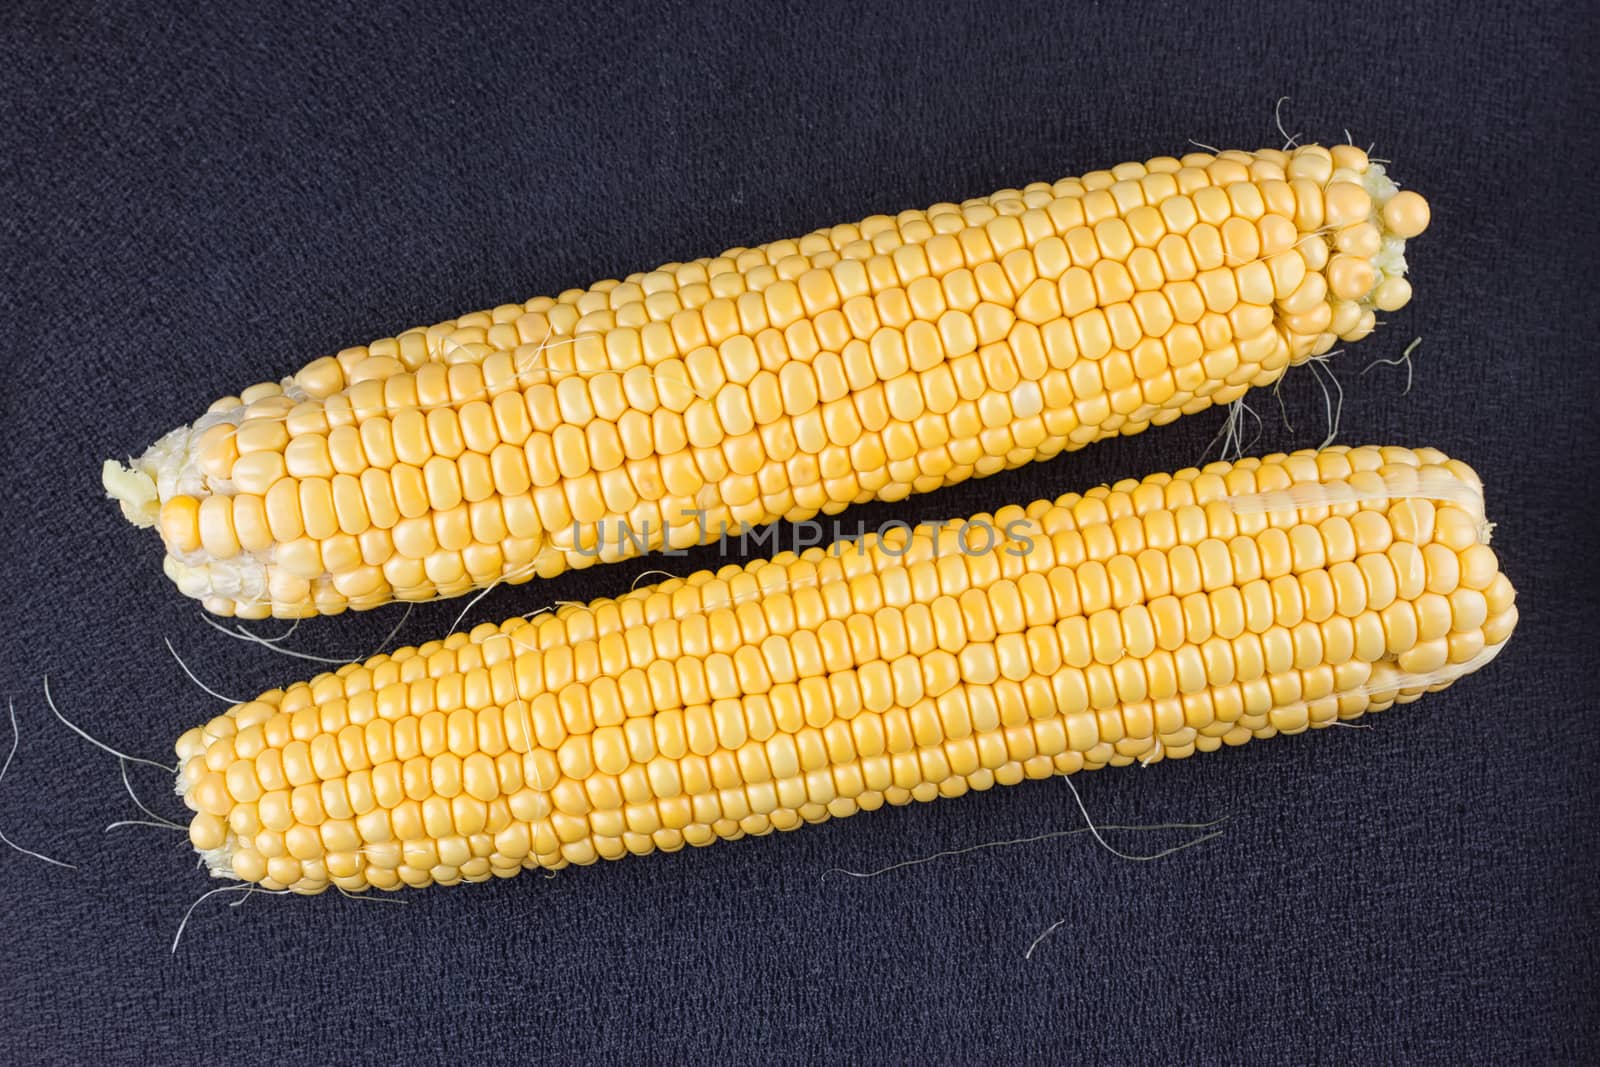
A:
(1147, 620)
(872, 360)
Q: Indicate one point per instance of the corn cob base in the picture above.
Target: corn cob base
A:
(1144, 621)
(872, 360)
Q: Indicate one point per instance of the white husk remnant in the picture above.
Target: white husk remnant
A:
(171, 467)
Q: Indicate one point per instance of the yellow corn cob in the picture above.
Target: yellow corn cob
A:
(891, 356)
(1148, 620)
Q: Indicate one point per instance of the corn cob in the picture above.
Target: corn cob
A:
(1151, 619)
(873, 360)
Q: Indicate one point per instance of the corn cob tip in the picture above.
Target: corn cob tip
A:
(1399, 215)
(1367, 220)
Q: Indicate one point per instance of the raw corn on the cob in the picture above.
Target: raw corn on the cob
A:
(895, 355)
(1150, 619)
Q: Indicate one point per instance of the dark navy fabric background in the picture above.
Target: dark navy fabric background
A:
(189, 206)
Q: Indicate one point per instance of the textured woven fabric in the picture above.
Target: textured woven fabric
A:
(189, 206)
